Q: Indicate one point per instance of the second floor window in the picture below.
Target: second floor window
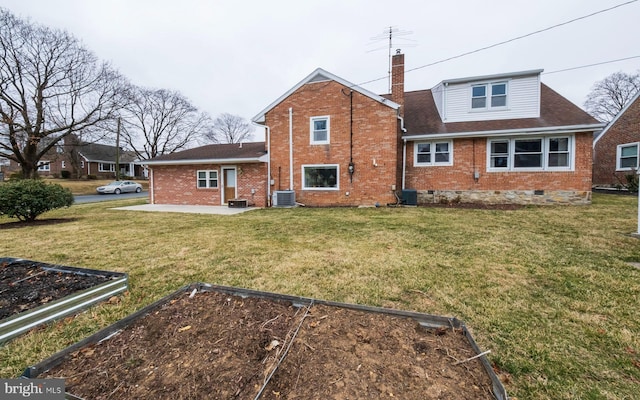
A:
(488, 96)
(320, 132)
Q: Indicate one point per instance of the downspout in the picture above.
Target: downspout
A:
(290, 148)
(151, 187)
(268, 134)
(404, 151)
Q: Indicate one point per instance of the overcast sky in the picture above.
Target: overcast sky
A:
(239, 56)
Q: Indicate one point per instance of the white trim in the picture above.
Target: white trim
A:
(44, 166)
(493, 77)
(206, 161)
(544, 151)
(432, 152)
(619, 154)
(551, 130)
(336, 166)
(312, 140)
(488, 96)
(207, 179)
(326, 76)
(613, 121)
(222, 183)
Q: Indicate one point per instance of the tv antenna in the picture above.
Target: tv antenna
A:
(391, 34)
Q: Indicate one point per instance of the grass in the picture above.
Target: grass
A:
(547, 289)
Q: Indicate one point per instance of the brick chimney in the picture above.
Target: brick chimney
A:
(397, 79)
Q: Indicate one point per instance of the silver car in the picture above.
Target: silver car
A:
(118, 187)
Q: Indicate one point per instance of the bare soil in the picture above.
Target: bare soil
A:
(218, 346)
(26, 284)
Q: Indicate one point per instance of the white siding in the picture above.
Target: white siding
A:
(523, 101)
(438, 97)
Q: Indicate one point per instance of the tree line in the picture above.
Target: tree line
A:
(52, 88)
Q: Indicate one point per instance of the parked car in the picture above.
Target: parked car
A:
(118, 187)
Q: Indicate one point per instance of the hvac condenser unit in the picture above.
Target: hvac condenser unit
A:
(284, 198)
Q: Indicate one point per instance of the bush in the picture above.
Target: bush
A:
(28, 198)
(632, 182)
(65, 174)
(92, 177)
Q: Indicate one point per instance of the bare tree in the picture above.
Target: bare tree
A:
(228, 128)
(50, 87)
(159, 121)
(610, 95)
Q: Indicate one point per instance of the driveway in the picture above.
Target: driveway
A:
(94, 198)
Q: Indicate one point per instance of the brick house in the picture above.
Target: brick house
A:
(616, 149)
(210, 175)
(504, 138)
(82, 159)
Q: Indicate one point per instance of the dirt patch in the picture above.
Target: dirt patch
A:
(37, 222)
(215, 345)
(26, 284)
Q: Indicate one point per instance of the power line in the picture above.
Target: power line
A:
(590, 65)
(509, 40)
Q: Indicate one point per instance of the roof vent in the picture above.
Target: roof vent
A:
(284, 198)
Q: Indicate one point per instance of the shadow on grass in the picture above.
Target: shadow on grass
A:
(37, 222)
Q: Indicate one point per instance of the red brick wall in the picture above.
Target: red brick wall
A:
(176, 184)
(625, 130)
(375, 137)
(459, 176)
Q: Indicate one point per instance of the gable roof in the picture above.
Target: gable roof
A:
(422, 119)
(320, 75)
(97, 152)
(613, 121)
(253, 152)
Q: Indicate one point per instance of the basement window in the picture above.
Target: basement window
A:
(207, 179)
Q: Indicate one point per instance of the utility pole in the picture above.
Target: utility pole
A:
(118, 151)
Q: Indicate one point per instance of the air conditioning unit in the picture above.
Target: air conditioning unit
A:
(284, 198)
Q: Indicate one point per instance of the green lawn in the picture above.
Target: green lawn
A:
(547, 289)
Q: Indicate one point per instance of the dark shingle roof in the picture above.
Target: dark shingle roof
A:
(213, 152)
(421, 115)
(96, 152)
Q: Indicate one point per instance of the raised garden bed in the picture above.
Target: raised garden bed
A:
(33, 293)
(205, 341)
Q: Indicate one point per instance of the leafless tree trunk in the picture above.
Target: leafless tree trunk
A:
(158, 121)
(50, 87)
(610, 95)
(228, 128)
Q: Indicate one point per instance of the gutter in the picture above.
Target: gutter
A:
(404, 151)
(205, 161)
(508, 132)
(268, 159)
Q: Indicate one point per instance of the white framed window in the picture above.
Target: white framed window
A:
(319, 128)
(63, 164)
(627, 156)
(106, 167)
(81, 163)
(531, 154)
(321, 177)
(44, 166)
(207, 179)
(433, 153)
(489, 96)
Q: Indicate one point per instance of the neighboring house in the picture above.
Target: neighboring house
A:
(210, 175)
(504, 138)
(82, 159)
(616, 149)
